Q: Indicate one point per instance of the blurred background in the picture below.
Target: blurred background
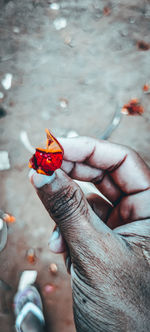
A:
(68, 66)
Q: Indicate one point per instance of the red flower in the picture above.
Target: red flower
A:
(46, 161)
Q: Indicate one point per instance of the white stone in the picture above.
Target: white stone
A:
(7, 81)
(4, 161)
(63, 102)
(60, 23)
(54, 6)
(16, 30)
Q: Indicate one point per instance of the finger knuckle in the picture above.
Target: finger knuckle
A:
(126, 209)
(68, 203)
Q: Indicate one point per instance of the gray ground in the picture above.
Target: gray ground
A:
(93, 63)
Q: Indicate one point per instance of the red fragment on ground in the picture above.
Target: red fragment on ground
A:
(146, 87)
(143, 46)
(133, 108)
(106, 11)
(46, 161)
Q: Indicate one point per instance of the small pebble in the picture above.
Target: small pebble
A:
(16, 30)
(4, 161)
(60, 23)
(54, 6)
(7, 81)
(63, 102)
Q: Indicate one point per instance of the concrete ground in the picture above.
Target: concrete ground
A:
(69, 74)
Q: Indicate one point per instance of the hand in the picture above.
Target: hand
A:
(109, 244)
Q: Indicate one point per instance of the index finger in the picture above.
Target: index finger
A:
(123, 165)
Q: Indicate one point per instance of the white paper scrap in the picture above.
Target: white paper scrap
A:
(4, 161)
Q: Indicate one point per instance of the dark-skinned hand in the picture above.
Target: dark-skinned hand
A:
(108, 243)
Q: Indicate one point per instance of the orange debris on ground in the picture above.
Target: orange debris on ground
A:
(146, 87)
(143, 46)
(9, 218)
(133, 108)
(106, 11)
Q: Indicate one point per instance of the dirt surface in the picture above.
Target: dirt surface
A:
(69, 79)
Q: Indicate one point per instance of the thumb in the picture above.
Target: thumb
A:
(68, 207)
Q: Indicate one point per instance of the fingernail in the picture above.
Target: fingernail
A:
(55, 236)
(39, 180)
(31, 172)
(68, 264)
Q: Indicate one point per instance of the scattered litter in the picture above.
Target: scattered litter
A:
(4, 161)
(1, 95)
(25, 140)
(146, 88)
(106, 11)
(143, 46)
(2, 112)
(133, 108)
(60, 23)
(16, 30)
(7, 81)
(54, 6)
(68, 41)
(72, 133)
(9, 218)
(63, 102)
(31, 257)
(113, 125)
(53, 268)
(27, 278)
